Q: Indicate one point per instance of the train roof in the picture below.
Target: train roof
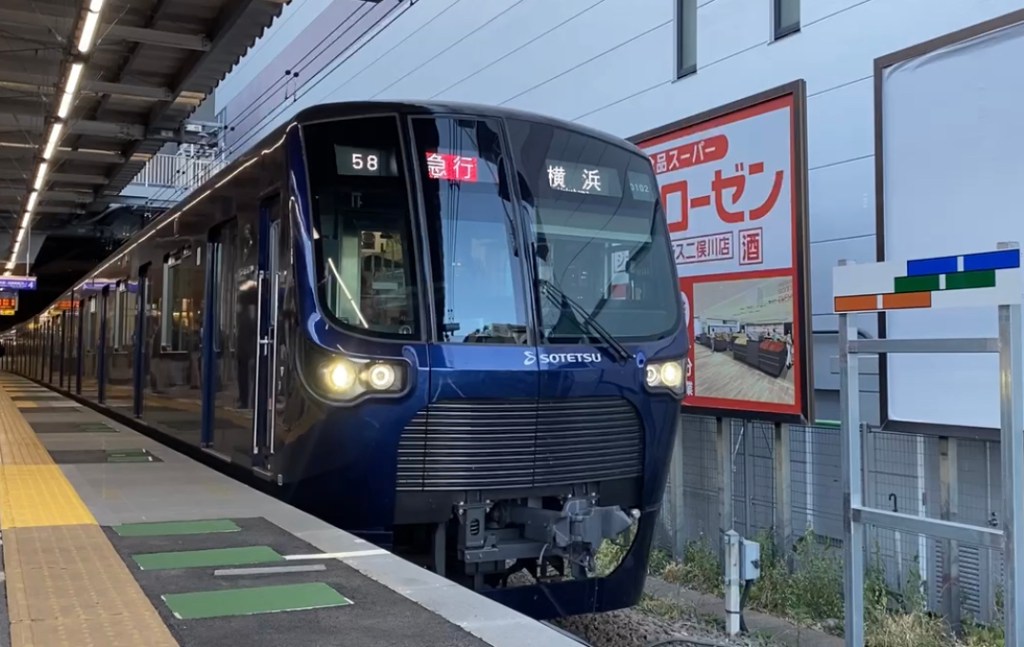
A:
(339, 110)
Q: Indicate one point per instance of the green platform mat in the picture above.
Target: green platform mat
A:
(252, 601)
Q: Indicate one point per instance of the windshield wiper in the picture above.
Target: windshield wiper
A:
(560, 298)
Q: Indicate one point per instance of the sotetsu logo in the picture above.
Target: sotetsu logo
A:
(530, 357)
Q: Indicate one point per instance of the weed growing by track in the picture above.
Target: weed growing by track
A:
(807, 587)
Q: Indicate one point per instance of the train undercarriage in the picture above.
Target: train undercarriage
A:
(487, 539)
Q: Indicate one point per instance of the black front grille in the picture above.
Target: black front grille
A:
(488, 444)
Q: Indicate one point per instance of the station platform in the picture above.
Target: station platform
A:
(111, 539)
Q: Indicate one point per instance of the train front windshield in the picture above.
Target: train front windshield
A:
(594, 231)
(599, 235)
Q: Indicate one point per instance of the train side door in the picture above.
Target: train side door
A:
(268, 279)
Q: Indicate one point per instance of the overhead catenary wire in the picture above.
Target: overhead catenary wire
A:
(300, 65)
(376, 28)
(254, 129)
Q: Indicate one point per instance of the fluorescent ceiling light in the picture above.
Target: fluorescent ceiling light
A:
(51, 143)
(92, 21)
(95, 5)
(65, 105)
(31, 204)
(74, 77)
(41, 175)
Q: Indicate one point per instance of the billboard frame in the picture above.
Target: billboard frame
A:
(880, 65)
(796, 89)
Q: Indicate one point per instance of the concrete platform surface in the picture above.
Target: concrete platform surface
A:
(110, 538)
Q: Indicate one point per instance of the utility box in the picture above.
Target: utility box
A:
(750, 560)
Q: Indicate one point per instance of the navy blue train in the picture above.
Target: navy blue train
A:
(454, 330)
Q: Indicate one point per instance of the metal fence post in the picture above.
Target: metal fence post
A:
(749, 484)
(723, 443)
(950, 493)
(1012, 399)
(677, 510)
(850, 436)
(783, 509)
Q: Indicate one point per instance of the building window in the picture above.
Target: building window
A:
(786, 15)
(686, 37)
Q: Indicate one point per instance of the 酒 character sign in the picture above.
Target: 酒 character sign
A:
(750, 246)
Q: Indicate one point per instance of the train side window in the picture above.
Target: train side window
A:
(478, 291)
(182, 302)
(362, 226)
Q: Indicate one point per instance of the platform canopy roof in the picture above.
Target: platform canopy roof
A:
(150, 64)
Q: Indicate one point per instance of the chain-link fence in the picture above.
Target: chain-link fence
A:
(954, 479)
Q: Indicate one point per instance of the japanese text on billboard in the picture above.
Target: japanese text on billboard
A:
(732, 194)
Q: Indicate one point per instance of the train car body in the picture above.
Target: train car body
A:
(454, 330)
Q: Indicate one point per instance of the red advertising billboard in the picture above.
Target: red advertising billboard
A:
(733, 185)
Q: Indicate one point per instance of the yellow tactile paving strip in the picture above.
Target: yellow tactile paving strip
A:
(38, 495)
(66, 586)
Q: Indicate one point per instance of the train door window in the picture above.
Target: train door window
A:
(89, 325)
(216, 260)
(181, 316)
(478, 293)
(117, 332)
(362, 226)
(129, 297)
(229, 261)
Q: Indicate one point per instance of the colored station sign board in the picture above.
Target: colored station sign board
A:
(17, 282)
(7, 312)
(989, 278)
(8, 302)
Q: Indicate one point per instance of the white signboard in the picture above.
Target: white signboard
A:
(951, 180)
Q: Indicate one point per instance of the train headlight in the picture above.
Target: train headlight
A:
(347, 379)
(381, 377)
(339, 376)
(665, 376)
(339, 379)
(672, 374)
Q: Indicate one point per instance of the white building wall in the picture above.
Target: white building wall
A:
(610, 63)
